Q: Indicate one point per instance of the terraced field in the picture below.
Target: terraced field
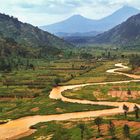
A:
(56, 94)
(39, 103)
(25, 92)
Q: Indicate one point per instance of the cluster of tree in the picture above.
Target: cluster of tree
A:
(111, 129)
(104, 55)
(87, 56)
(99, 121)
(9, 47)
(135, 61)
(109, 55)
(56, 82)
(80, 67)
(5, 64)
(49, 51)
(4, 16)
(8, 64)
(136, 110)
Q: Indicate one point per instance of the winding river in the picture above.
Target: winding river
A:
(21, 127)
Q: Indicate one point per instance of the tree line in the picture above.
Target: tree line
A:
(7, 64)
(111, 126)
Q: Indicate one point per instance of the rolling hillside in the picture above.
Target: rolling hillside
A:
(127, 33)
(28, 35)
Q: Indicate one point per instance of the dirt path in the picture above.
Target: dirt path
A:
(20, 127)
(121, 68)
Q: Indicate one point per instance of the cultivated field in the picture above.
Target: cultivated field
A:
(26, 93)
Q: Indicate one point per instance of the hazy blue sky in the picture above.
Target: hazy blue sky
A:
(42, 12)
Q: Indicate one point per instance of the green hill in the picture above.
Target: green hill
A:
(27, 35)
(127, 33)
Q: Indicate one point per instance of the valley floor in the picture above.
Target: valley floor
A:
(22, 125)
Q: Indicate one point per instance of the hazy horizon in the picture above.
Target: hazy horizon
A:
(45, 12)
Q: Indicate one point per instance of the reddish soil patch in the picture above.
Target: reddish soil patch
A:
(122, 86)
(59, 110)
(124, 95)
(137, 71)
(12, 98)
(7, 99)
(35, 109)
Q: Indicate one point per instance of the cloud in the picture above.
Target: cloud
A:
(40, 12)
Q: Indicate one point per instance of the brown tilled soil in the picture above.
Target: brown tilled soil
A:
(124, 95)
(35, 109)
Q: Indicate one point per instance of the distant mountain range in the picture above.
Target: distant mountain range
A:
(64, 35)
(124, 34)
(28, 36)
(80, 24)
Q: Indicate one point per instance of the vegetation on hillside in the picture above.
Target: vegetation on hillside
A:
(21, 40)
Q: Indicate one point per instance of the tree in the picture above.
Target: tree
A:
(72, 76)
(73, 66)
(108, 55)
(5, 64)
(136, 109)
(112, 129)
(126, 131)
(27, 64)
(32, 66)
(59, 133)
(98, 122)
(125, 108)
(123, 56)
(56, 81)
(129, 92)
(82, 128)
